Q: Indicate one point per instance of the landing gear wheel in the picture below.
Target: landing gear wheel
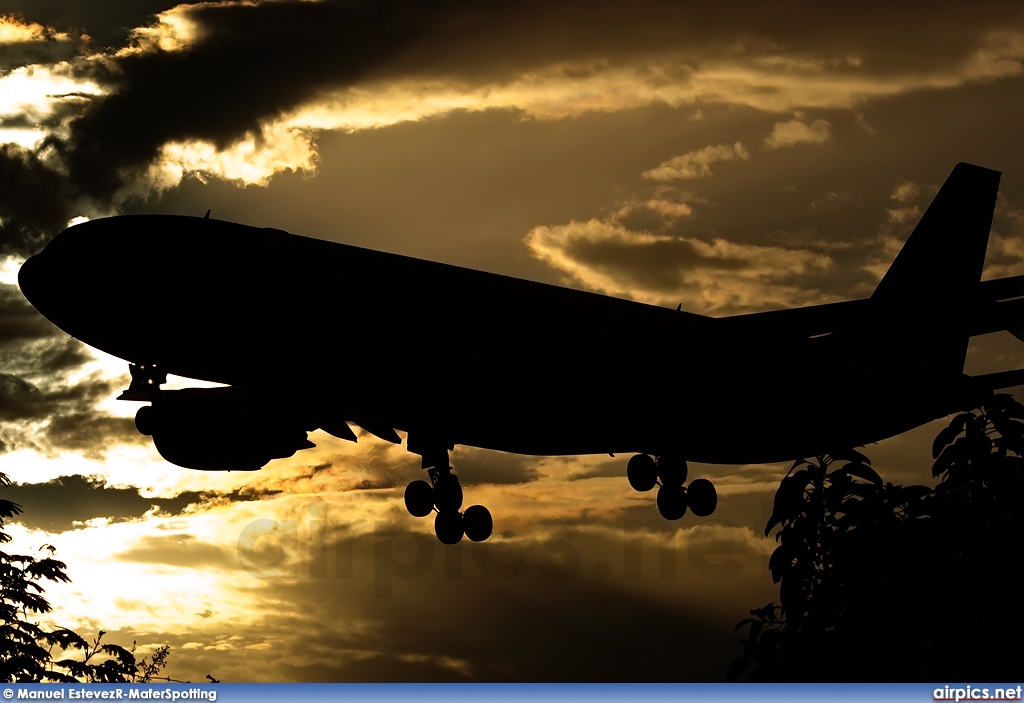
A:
(703, 497)
(145, 420)
(477, 523)
(449, 527)
(672, 469)
(671, 501)
(419, 498)
(448, 494)
(642, 473)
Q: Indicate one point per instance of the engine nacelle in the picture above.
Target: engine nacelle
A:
(220, 429)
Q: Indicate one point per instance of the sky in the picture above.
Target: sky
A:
(726, 157)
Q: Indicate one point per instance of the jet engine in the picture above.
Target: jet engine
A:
(220, 429)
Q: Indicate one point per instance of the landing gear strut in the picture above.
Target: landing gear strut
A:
(669, 472)
(146, 381)
(443, 494)
(145, 386)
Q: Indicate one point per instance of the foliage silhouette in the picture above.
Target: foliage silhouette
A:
(898, 583)
(27, 650)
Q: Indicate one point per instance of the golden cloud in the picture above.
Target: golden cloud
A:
(713, 278)
(696, 164)
(796, 132)
(14, 31)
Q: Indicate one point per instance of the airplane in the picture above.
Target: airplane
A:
(307, 334)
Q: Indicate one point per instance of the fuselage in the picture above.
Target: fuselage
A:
(487, 360)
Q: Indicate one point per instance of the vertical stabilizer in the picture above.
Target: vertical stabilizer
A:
(947, 248)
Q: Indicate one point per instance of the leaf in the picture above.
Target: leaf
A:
(9, 509)
(77, 668)
(744, 621)
(865, 472)
(947, 434)
(1006, 405)
(50, 569)
(787, 498)
(798, 462)
(780, 561)
(950, 454)
(67, 639)
(909, 494)
(123, 655)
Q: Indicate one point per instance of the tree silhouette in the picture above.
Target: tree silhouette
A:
(898, 583)
(27, 650)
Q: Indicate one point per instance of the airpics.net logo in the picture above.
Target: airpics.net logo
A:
(977, 693)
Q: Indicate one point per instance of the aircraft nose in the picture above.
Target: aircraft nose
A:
(28, 279)
(40, 282)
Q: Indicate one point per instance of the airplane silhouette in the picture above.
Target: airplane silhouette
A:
(310, 334)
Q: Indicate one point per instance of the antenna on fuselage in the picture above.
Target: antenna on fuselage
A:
(207, 215)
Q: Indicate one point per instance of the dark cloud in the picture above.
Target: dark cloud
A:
(34, 349)
(659, 263)
(57, 505)
(19, 399)
(91, 433)
(606, 469)
(560, 608)
(60, 356)
(479, 466)
(108, 23)
(32, 346)
(49, 49)
(178, 549)
(380, 470)
(251, 62)
(73, 422)
(66, 501)
(36, 200)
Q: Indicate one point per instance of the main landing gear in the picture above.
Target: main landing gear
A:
(669, 472)
(443, 494)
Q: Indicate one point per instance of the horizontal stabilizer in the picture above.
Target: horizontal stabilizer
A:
(1002, 288)
(1000, 379)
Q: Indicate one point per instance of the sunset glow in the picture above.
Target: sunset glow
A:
(726, 159)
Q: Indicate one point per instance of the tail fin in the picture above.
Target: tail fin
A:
(947, 248)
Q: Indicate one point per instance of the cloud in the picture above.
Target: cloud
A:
(696, 164)
(37, 201)
(24, 43)
(18, 398)
(377, 622)
(252, 160)
(58, 415)
(180, 549)
(905, 192)
(796, 132)
(91, 432)
(611, 468)
(240, 90)
(1006, 244)
(716, 277)
(69, 501)
(479, 466)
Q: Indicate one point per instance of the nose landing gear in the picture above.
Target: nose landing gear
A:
(443, 494)
(669, 471)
